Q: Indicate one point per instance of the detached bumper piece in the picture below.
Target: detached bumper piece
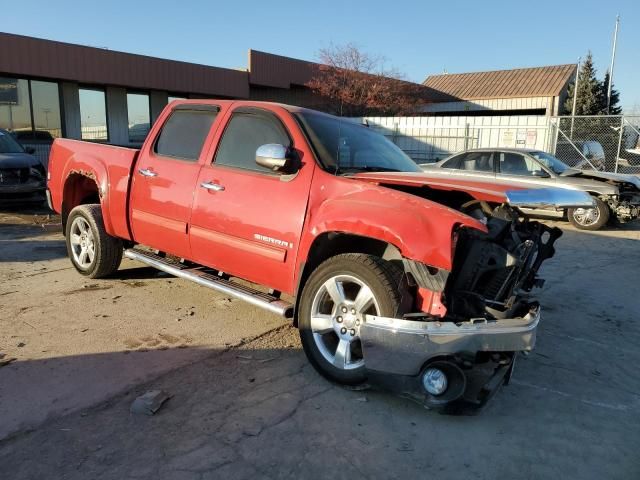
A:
(444, 364)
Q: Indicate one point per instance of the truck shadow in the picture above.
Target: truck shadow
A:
(139, 273)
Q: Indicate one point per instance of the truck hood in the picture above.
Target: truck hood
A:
(484, 190)
(17, 160)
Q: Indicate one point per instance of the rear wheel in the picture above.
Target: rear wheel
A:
(93, 252)
(334, 302)
(590, 218)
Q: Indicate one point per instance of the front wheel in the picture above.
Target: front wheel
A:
(93, 252)
(334, 302)
(590, 218)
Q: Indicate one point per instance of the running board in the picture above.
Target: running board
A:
(201, 276)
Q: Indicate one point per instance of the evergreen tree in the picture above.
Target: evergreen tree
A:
(614, 107)
(589, 91)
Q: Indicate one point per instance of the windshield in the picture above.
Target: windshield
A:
(344, 146)
(8, 144)
(551, 162)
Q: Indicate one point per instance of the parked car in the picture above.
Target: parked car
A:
(22, 176)
(332, 225)
(616, 196)
(582, 155)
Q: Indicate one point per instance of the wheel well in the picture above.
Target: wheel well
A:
(79, 189)
(330, 244)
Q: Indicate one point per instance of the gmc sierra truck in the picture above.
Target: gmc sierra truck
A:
(391, 278)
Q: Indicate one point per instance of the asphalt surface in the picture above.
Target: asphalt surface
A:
(246, 404)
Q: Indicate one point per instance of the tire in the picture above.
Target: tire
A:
(590, 218)
(85, 232)
(335, 323)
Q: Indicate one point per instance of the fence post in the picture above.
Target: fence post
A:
(619, 142)
(466, 136)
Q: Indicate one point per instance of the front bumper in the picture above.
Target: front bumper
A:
(27, 191)
(397, 352)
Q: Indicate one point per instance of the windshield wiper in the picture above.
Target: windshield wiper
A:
(571, 172)
(341, 170)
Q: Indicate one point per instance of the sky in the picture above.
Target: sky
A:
(417, 38)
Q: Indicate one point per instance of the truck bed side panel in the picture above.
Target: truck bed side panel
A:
(108, 166)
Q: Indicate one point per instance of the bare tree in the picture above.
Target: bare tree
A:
(359, 84)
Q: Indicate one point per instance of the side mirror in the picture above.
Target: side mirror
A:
(272, 156)
(540, 174)
(30, 150)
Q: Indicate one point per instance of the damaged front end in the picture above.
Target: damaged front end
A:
(625, 207)
(475, 319)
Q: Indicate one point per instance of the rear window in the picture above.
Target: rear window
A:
(184, 133)
(474, 161)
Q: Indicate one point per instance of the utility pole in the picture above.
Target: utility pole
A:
(575, 98)
(613, 59)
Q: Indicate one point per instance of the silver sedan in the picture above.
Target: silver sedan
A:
(616, 196)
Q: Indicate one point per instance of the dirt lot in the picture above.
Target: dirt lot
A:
(245, 403)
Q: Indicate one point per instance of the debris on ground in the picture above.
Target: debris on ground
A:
(150, 402)
(405, 447)
(265, 360)
(52, 227)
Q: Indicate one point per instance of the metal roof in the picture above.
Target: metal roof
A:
(518, 83)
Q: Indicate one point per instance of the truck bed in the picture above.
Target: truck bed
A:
(110, 168)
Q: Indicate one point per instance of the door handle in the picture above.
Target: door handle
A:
(145, 172)
(216, 187)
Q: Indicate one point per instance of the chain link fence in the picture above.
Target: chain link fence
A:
(609, 143)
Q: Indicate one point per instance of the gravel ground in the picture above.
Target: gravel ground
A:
(254, 408)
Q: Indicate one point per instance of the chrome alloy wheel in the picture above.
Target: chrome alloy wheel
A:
(337, 312)
(586, 216)
(83, 246)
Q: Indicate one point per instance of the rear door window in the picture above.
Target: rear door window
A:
(455, 162)
(184, 133)
(472, 161)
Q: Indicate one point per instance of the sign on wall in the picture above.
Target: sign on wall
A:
(8, 91)
(508, 138)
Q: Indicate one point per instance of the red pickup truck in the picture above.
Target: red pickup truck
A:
(390, 277)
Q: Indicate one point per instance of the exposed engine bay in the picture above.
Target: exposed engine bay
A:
(625, 207)
(495, 271)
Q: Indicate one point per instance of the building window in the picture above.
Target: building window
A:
(93, 115)
(45, 99)
(139, 115)
(30, 109)
(15, 106)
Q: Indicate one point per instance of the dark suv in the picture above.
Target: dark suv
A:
(22, 176)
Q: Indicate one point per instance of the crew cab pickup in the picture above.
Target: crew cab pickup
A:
(419, 286)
